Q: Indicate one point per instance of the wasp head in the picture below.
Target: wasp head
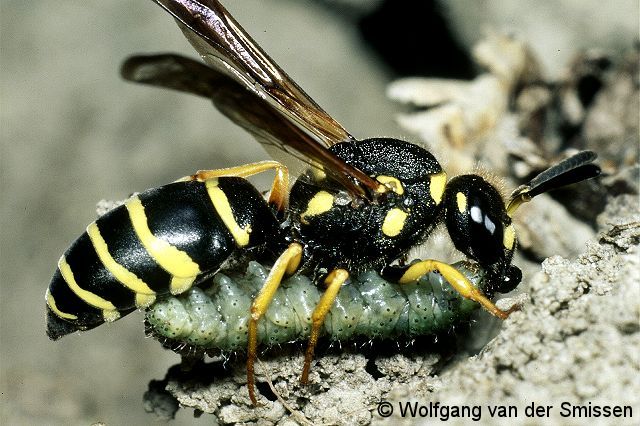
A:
(479, 226)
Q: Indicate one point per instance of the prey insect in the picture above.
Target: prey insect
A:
(361, 205)
(212, 319)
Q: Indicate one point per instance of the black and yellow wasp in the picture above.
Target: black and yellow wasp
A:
(361, 205)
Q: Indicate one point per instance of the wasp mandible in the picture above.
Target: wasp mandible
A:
(361, 205)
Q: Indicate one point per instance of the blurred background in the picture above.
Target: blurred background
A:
(74, 133)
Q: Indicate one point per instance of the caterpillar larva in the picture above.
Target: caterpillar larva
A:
(367, 307)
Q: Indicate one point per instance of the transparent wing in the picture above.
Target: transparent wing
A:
(251, 89)
(281, 138)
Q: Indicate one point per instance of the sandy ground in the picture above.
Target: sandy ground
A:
(74, 133)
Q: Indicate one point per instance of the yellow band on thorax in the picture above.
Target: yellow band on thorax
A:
(394, 222)
(321, 202)
(391, 182)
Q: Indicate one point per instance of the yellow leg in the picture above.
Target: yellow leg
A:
(279, 188)
(334, 282)
(287, 263)
(458, 281)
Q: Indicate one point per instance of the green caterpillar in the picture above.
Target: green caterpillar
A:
(367, 307)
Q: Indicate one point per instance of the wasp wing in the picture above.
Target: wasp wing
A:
(254, 114)
(186, 75)
(223, 43)
(256, 93)
(173, 72)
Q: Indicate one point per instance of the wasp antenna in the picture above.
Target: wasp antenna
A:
(574, 169)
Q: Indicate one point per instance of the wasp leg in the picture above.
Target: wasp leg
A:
(333, 282)
(287, 263)
(279, 189)
(458, 281)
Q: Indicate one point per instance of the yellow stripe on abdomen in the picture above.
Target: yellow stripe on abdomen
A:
(171, 259)
(109, 311)
(52, 304)
(223, 208)
(179, 285)
(122, 274)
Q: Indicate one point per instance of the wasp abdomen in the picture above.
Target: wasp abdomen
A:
(161, 241)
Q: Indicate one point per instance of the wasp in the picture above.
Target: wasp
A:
(361, 205)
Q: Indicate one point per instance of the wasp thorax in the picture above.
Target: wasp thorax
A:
(477, 220)
(361, 235)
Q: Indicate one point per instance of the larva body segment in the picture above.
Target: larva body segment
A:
(367, 307)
